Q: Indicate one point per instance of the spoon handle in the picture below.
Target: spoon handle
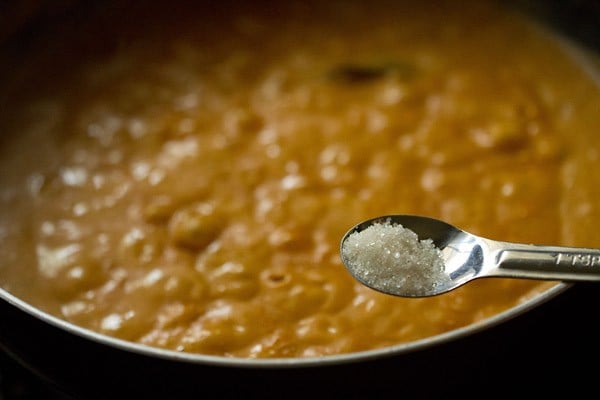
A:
(547, 262)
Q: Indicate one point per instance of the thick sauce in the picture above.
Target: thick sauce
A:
(183, 179)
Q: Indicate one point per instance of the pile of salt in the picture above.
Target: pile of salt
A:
(390, 258)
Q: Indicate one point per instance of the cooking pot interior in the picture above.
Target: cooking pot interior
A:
(90, 364)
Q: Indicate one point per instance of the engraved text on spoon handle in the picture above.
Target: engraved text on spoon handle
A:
(548, 262)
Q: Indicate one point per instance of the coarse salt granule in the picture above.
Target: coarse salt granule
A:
(390, 258)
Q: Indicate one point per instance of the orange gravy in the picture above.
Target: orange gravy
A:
(183, 180)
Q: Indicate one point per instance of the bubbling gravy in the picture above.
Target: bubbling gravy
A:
(183, 179)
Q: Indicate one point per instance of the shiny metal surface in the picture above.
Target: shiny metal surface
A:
(467, 257)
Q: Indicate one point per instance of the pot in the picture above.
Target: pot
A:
(533, 345)
(539, 352)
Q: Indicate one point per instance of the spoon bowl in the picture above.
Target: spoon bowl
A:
(465, 257)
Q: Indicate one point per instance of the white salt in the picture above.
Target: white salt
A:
(390, 258)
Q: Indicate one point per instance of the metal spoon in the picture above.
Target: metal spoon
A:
(467, 257)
